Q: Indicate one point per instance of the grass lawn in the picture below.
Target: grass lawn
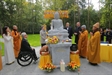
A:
(34, 40)
(2, 46)
(73, 39)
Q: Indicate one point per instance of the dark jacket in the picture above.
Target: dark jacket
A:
(77, 29)
(70, 32)
(102, 36)
(109, 36)
(25, 46)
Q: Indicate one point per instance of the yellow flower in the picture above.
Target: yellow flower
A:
(53, 40)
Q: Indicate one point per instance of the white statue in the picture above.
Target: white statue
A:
(57, 24)
(57, 28)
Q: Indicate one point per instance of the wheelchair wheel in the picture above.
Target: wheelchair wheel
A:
(25, 59)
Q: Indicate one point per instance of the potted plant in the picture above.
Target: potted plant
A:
(49, 67)
(72, 66)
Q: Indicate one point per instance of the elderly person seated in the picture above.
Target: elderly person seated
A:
(25, 46)
(45, 56)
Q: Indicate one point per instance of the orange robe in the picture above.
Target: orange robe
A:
(16, 42)
(82, 43)
(0, 62)
(93, 54)
(75, 57)
(44, 59)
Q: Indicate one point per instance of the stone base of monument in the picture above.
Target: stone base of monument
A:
(60, 51)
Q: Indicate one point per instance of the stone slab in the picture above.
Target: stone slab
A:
(60, 51)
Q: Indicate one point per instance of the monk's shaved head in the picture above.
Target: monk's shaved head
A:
(15, 27)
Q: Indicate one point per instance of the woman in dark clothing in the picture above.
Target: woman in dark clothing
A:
(102, 34)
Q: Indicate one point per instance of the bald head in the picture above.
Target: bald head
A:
(45, 47)
(15, 27)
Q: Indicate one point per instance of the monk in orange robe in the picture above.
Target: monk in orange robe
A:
(16, 40)
(82, 43)
(94, 46)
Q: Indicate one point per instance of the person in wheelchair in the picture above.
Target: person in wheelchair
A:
(25, 46)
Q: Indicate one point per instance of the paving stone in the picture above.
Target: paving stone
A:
(85, 69)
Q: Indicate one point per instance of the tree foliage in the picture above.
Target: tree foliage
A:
(28, 16)
(106, 14)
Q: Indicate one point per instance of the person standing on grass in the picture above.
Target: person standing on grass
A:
(69, 29)
(43, 35)
(93, 54)
(17, 40)
(76, 33)
(8, 44)
(82, 43)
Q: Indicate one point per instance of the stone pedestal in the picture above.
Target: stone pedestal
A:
(60, 51)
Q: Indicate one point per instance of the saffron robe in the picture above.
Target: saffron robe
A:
(93, 54)
(82, 43)
(17, 42)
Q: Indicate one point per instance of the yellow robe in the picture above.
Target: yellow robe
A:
(16, 42)
(75, 57)
(93, 54)
(82, 43)
(0, 62)
(44, 59)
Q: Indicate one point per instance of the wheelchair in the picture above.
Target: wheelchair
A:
(25, 58)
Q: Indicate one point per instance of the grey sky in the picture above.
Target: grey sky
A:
(94, 2)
